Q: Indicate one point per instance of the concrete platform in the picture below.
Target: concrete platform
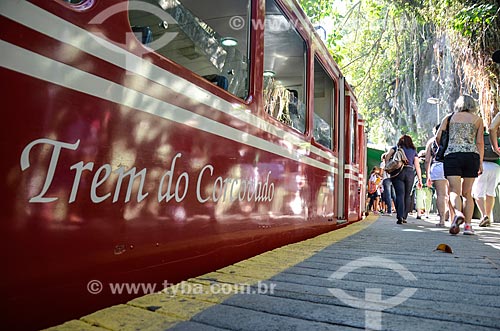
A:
(373, 274)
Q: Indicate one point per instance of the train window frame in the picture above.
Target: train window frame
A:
(203, 52)
(318, 119)
(285, 103)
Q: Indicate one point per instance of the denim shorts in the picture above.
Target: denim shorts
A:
(463, 164)
(437, 171)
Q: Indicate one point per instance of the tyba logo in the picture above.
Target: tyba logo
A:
(373, 303)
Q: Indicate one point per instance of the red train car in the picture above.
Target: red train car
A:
(151, 141)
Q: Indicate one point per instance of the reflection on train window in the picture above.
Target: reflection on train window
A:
(203, 36)
(323, 106)
(353, 136)
(284, 69)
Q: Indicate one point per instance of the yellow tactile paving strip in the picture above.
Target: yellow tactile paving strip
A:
(162, 310)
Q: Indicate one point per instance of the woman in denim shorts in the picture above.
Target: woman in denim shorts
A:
(435, 176)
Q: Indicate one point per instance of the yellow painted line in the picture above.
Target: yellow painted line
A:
(76, 325)
(127, 317)
(182, 301)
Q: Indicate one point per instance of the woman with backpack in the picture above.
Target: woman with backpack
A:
(403, 179)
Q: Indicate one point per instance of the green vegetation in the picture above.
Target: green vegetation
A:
(398, 53)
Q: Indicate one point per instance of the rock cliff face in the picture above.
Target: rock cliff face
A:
(439, 87)
(435, 56)
(426, 93)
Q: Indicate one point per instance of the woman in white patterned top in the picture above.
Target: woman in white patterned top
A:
(463, 160)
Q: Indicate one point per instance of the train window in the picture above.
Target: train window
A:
(284, 69)
(209, 38)
(323, 106)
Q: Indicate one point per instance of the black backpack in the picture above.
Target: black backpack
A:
(489, 154)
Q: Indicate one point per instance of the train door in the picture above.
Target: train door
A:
(340, 194)
(324, 95)
(362, 166)
(351, 160)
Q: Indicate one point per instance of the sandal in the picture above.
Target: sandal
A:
(440, 225)
(485, 221)
(455, 226)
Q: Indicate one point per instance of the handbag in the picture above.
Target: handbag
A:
(443, 142)
(396, 162)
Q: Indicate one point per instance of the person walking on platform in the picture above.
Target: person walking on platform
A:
(403, 181)
(435, 176)
(374, 186)
(484, 188)
(463, 159)
(388, 194)
(423, 197)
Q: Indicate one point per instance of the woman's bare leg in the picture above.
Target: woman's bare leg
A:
(455, 183)
(468, 202)
(441, 198)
